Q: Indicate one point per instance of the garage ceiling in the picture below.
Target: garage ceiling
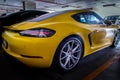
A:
(53, 5)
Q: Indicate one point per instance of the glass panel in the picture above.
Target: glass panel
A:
(82, 19)
(91, 19)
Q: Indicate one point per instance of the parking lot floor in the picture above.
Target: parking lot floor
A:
(101, 65)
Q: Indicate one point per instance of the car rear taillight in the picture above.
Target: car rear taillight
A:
(41, 32)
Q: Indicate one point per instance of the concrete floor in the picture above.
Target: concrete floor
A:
(102, 65)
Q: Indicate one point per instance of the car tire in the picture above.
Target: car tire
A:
(116, 39)
(68, 54)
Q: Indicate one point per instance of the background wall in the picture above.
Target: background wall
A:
(105, 11)
(7, 6)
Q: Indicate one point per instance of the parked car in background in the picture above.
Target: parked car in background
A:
(17, 17)
(112, 18)
(118, 21)
(59, 39)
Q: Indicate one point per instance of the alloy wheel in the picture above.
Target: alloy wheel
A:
(70, 54)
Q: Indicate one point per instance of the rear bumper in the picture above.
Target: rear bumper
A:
(34, 52)
(33, 62)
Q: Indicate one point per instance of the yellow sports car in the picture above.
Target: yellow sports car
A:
(59, 39)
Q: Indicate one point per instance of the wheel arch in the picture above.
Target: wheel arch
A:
(72, 35)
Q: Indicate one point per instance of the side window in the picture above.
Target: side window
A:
(92, 19)
(80, 18)
(88, 18)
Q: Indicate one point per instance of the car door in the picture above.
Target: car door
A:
(97, 33)
(100, 35)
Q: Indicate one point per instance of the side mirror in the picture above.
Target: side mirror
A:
(107, 22)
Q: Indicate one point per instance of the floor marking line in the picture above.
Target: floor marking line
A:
(92, 75)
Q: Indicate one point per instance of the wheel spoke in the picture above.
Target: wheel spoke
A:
(65, 52)
(64, 57)
(67, 61)
(76, 51)
(68, 47)
(69, 64)
(75, 48)
(72, 44)
(75, 57)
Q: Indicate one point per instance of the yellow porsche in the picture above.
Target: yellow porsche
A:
(59, 39)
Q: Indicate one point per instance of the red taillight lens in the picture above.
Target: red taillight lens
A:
(42, 32)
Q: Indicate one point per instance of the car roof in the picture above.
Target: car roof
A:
(49, 15)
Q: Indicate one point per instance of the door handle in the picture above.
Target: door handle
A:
(96, 31)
